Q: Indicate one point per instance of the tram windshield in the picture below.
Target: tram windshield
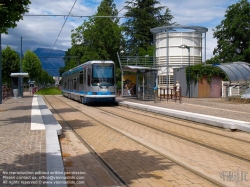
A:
(102, 74)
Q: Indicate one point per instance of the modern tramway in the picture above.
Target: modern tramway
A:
(93, 81)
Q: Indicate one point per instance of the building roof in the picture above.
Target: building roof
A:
(19, 75)
(138, 68)
(169, 28)
(237, 72)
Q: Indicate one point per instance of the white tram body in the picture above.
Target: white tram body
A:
(93, 81)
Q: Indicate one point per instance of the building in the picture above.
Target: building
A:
(177, 47)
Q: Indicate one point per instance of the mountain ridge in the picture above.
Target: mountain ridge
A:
(51, 59)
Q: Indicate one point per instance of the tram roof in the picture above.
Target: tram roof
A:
(80, 67)
(138, 68)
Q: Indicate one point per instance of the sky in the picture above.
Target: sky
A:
(54, 33)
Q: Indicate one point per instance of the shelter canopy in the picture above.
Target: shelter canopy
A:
(138, 69)
(19, 75)
(237, 72)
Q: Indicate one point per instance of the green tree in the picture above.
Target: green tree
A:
(45, 78)
(233, 42)
(11, 12)
(100, 37)
(143, 16)
(10, 64)
(71, 59)
(214, 60)
(198, 71)
(32, 65)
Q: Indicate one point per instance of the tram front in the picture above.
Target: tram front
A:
(103, 81)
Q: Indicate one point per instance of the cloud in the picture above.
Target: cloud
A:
(43, 31)
(200, 13)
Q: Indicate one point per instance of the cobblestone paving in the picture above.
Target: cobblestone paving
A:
(137, 165)
(213, 137)
(21, 150)
(77, 157)
(206, 161)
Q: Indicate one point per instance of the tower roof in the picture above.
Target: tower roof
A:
(181, 27)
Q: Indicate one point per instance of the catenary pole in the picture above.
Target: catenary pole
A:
(0, 71)
(21, 80)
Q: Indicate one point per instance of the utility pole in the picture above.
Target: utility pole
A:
(1, 91)
(20, 79)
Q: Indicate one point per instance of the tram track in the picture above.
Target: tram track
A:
(195, 125)
(168, 131)
(216, 183)
(110, 112)
(89, 147)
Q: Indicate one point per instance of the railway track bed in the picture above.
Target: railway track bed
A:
(142, 149)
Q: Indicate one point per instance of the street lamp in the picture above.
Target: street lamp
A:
(119, 60)
(184, 46)
(146, 56)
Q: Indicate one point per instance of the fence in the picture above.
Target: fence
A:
(170, 94)
(145, 61)
(233, 90)
(6, 92)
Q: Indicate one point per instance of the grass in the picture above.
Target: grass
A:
(49, 91)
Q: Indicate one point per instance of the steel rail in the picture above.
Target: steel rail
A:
(150, 148)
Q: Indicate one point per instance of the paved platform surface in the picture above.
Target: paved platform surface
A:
(217, 107)
(201, 159)
(29, 147)
(21, 149)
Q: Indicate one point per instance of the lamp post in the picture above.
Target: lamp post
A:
(119, 60)
(146, 56)
(184, 46)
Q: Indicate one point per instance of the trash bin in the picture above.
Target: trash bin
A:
(156, 94)
(15, 93)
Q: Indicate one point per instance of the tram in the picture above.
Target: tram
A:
(93, 81)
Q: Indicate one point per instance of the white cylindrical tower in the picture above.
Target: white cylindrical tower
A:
(168, 53)
(168, 47)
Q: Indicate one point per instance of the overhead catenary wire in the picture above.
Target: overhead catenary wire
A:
(60, 6)
(62, 27)
(71, 15)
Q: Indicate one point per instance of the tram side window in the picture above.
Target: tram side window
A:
(65, 83)
(89, 75)
(84, 76)
(81, 78)
(68, 83)
(74, 84)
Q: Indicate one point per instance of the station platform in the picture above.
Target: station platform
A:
(29, 145)
(211, 111)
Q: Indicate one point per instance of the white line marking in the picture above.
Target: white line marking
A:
(36, 117)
